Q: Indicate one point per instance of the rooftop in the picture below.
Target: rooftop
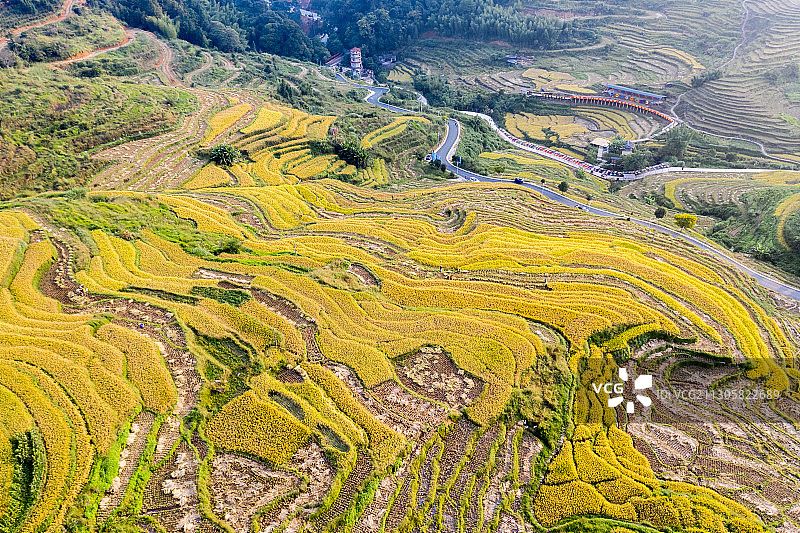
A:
(634, 91)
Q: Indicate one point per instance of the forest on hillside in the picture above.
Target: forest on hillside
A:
(227, 26)
(376, 26)
(380, 26)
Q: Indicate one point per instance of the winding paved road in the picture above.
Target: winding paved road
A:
(448, 147)
(374, 96)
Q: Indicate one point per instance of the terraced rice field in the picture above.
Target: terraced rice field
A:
(401, 74)
(742, 106)
(277, 143)
(548, 80)
(530, 126)
(162, 161)
(753, 207)
(453, 59)
(649, 61)
(744, 102)
(631, 126)
(356, 360)
(396, 127)
(508, 82)
(532, 79)
(585, 125)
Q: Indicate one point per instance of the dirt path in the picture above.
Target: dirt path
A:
(164, 64)
(130, 36)
(228, 64)
(66, 10)
(202, 70)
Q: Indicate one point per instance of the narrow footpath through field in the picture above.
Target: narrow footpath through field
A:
(130, 36)
(66, 10)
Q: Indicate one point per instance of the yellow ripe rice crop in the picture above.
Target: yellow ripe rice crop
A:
(794, 157)
(25, 220)
(521, 160)
(370, 365)
(396, 127)
(296, 127)
(38, 257)
(209, 176)
(250, 425)
(610, 119)
(207, 217)
(780, 177)
(249, 328)
(313, 166)
(11, 253)
(685, 57)
(670, 187)
(261, 169)
(786, 208)
(283, 205)
(242, 176)
(533, 125)
(16, 225)
(153, 261)
(145, 367)
(222, 121)
(201, 321)
(267, 118)
(377, 175)
(348, 170)
(669, 191)
(292, 340)
(371, 283)
(401, 74)
(320, 127)
(385, 443)
(550, 75)
(55, 433)
(621, 341)
(572, 88)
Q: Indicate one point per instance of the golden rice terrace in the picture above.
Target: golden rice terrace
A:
(244, 348)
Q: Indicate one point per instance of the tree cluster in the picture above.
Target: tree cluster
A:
(31, 6)
(224, 155)
(382, 26)
(349, 151)
(708, 75)
(228, 26)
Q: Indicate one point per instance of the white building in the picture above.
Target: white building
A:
(355, 61)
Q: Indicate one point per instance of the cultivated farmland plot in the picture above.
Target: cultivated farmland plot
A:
(349, 346)
(291, 343)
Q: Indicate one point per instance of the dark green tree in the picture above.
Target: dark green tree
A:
(224, 155)
(676, 141)
(617, 144)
